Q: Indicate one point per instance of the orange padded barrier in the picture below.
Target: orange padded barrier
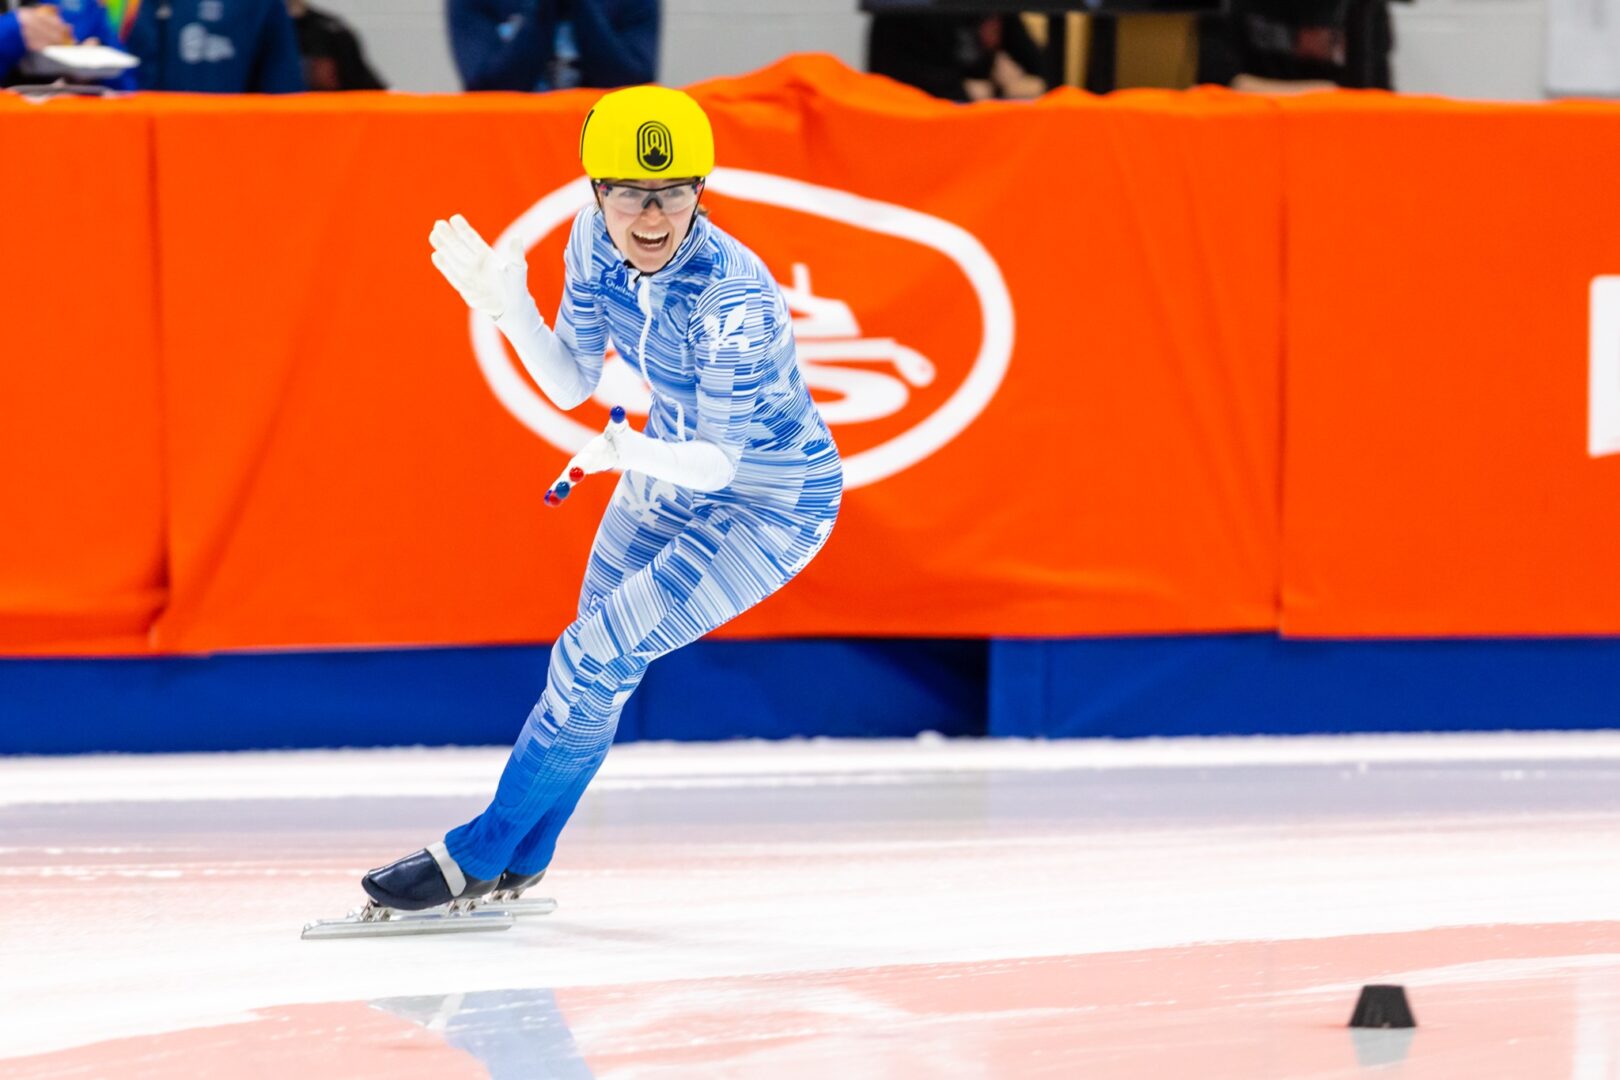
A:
(1050, 339)
(1440, 260)
(81, 455)
(1105, 273)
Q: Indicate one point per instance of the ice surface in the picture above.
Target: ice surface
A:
(892, 909)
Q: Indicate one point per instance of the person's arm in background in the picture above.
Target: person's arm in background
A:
(1273, 46)
(1256, 84)
(1016, 70)
(12, 48)
(498, 47)
(618, 41)
(29, 30)
(277, 67)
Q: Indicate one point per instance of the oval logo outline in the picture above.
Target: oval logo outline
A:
(911, 446)
(655, 147)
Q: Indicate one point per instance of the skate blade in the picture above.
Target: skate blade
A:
(540, 905)
(400, 923)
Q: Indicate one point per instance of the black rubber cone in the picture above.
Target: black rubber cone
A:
(1382, 1007)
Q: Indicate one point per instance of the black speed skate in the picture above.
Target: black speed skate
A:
(427, 893)
(430, 878)
(511, 886)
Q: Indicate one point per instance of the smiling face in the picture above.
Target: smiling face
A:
(647, 221)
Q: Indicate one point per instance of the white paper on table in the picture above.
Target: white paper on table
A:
(90, 58)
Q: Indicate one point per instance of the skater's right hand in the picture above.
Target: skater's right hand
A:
(490, 280)
(598, 455)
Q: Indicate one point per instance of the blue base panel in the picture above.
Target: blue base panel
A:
(1219, 684)
(1259, 684)
(480, 696)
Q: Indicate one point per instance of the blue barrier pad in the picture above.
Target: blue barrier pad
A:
(476, 696)
(1243, 684)
(1107, 687)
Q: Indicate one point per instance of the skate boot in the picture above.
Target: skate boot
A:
(507, 896)
(511, 885)
(423, 893)
(430, 878)
(427, 893)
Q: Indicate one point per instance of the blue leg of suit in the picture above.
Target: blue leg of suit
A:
(667, 567)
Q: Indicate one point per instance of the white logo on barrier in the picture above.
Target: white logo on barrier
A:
(1603, 419)
(827, 333)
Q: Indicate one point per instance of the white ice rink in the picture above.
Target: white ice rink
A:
(1178, 908)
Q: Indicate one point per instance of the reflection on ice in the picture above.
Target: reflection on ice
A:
(804, 911)
(1377, 1047)
(516, 1034)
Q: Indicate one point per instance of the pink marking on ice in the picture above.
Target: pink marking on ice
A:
(1491, 1001)
(337, 1041)
(1242, 1010)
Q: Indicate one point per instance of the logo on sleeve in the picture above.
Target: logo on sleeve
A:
(655, 149)
(728, 336)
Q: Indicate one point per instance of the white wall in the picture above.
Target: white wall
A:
(1489, 49)
(705, 38)
(1493, 49)
(408, 43)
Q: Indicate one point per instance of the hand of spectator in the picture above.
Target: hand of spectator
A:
(1255, 84)
(1013, 80)
(491, 281)
(979, 89)
(42, 27)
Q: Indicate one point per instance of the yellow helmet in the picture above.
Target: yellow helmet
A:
(646, 133)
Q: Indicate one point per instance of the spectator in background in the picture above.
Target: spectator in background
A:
(957, 57)
(554, 44)
(333, 59)
(30, 29)
(1280, 46)
(215, 46)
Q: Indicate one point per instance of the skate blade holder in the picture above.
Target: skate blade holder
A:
(520, 908)
(375, 921)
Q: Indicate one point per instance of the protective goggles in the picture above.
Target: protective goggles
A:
(629, 199)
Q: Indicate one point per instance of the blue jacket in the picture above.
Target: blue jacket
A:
(88, 20)
(510, 44)
(216, 47)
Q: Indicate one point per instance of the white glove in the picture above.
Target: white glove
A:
(494, 282)
(598, 455)
(698, 465)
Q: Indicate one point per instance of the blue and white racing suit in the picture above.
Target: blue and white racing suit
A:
(712, 336)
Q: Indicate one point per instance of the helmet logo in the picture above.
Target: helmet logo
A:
(654, 147)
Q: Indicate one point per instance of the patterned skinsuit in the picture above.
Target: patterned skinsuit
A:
(711, 334)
